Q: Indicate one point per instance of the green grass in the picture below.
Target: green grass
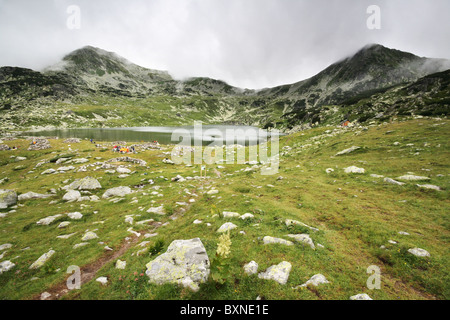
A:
(355, 215)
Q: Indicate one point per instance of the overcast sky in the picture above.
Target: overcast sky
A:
(247, 43)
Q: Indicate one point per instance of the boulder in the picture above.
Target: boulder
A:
(116, 192)
(185, 262)
(72, 195)
(279, 272)
(7, 198)
(86, 183)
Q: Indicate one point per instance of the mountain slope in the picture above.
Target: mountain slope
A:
(96, 85)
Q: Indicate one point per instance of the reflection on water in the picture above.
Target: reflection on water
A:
(188, 135)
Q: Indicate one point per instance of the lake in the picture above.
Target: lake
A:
(188, 135)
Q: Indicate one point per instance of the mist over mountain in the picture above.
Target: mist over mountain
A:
(84, 77)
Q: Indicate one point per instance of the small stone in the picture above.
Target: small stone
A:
(251, 268)
(75, 215)
(314, 281)
(361, 296)
(89, 236)
(102, 280)
(353, 169)
(6, 266)
(45, 295)
(227, 226)
(121, 264)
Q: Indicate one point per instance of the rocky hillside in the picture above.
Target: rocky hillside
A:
(93, 87)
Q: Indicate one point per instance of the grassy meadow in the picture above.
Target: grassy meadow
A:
(355, 214)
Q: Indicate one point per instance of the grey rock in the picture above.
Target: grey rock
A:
(48, 220)
(304, 238)
(32, 195)
(185, 262)
(72, 195)
(7, 198)
(42, 260)
(418, 252)
(86, 183)
(227, 226)
(351, 149)
(251, 268)
(116, 192)
(361, 296)
(279, 272)
(6, 266)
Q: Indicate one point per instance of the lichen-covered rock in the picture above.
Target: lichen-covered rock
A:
(279, 272)
(89, 236)
(185, 262)
(7, 198)
(42, 260)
